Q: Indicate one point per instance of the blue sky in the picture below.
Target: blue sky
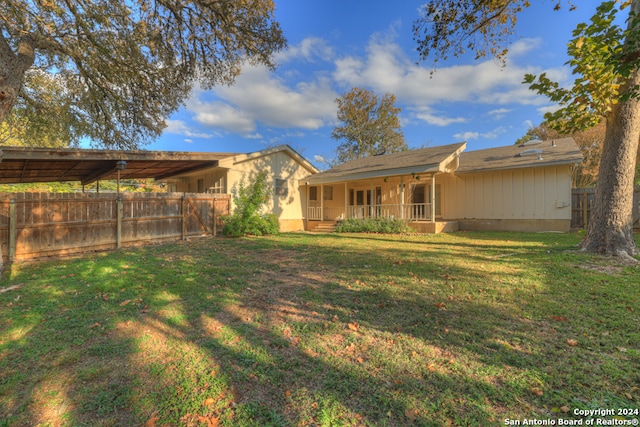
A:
(336, 45)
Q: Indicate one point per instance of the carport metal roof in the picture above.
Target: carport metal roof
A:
(25, 165)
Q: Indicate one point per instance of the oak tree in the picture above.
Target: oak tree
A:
(606, 63)
(369, 125)
(125, 65)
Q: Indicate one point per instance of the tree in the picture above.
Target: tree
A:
(606, 61)
(43, 118)
(590, 143)
(370, 125)
(127, 65)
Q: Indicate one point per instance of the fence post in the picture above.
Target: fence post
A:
(585, 209)
(119, 214)
(12, 229)
(215, 225)
(184, 217)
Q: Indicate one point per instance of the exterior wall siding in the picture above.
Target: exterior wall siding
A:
(523, 194)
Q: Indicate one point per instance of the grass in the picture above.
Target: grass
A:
(463, 329)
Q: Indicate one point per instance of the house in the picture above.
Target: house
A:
(286, 169)
(444, 188)
(520, 188)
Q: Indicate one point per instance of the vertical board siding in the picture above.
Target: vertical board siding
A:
(49, 224)
(519, 194)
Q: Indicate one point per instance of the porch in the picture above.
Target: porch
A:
(405, 198)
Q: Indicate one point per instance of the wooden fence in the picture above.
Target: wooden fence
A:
(47, 224)
(582, 200)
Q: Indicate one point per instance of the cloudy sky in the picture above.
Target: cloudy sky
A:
(336, 45)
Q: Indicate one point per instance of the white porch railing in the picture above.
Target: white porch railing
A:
(410, 212)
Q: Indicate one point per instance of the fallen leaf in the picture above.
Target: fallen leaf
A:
(559, 318)
(95, 325)
(151, 422)
(431, 367)
(287, 393)
(359, 360)
(210, 401)
(622, 349)
(334, 318)
(125, 302)
(572, 343)
(439, 305)
(411, 414)
(354, 326)
(564, 409)
(295, 341)
(537, 391)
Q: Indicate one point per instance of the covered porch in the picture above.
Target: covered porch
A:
(400, 186)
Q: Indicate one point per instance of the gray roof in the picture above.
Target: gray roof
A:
(553, 152)
(425, 160)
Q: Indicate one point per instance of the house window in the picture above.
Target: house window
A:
(201, 186)
(328, 193)
(282, 187)
(313, 194)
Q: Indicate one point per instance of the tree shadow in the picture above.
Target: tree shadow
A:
(285, 331)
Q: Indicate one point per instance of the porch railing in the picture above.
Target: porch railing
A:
(410, 212)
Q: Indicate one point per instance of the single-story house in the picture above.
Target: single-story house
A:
(444, 188)
(286, 169)
(519, 188)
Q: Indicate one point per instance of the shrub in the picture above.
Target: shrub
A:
(248, 201)
(372, 225)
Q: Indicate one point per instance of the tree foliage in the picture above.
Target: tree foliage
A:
(41, 119)
(247, 218)
(370, 125)
(605, 59)
(126, 65)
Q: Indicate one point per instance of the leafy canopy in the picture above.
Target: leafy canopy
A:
(601, 64)
(127, 65)
(370, 125)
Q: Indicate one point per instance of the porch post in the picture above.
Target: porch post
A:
(322, 202)
(308, 208)
(346, 201)
(433, 198)
(372, 208)
(401, 197)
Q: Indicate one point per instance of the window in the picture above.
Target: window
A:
(201, 186)
(328, 193)
(313, 194)
(282, 187)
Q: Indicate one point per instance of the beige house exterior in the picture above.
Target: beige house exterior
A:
(438, 189)
(286, 171)
(517, 188)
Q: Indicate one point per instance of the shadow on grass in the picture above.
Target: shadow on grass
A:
(295, 330)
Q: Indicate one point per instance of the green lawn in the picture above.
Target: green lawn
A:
(462, 329)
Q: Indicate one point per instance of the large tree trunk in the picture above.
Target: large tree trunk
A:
(611, 227)
(13, 67)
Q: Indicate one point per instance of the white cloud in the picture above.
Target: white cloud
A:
(387, 68)
(309, 49)
(179, 127)
(499, 113)
(432, 119)
(466, 136)
(258, 96)
(492, 134)
(319, 159)
(548, 109)
(188, 141)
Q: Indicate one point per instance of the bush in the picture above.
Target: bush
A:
(372, 225)
(248, 201)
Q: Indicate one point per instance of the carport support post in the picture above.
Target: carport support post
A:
(12, 229)
(119, 214)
